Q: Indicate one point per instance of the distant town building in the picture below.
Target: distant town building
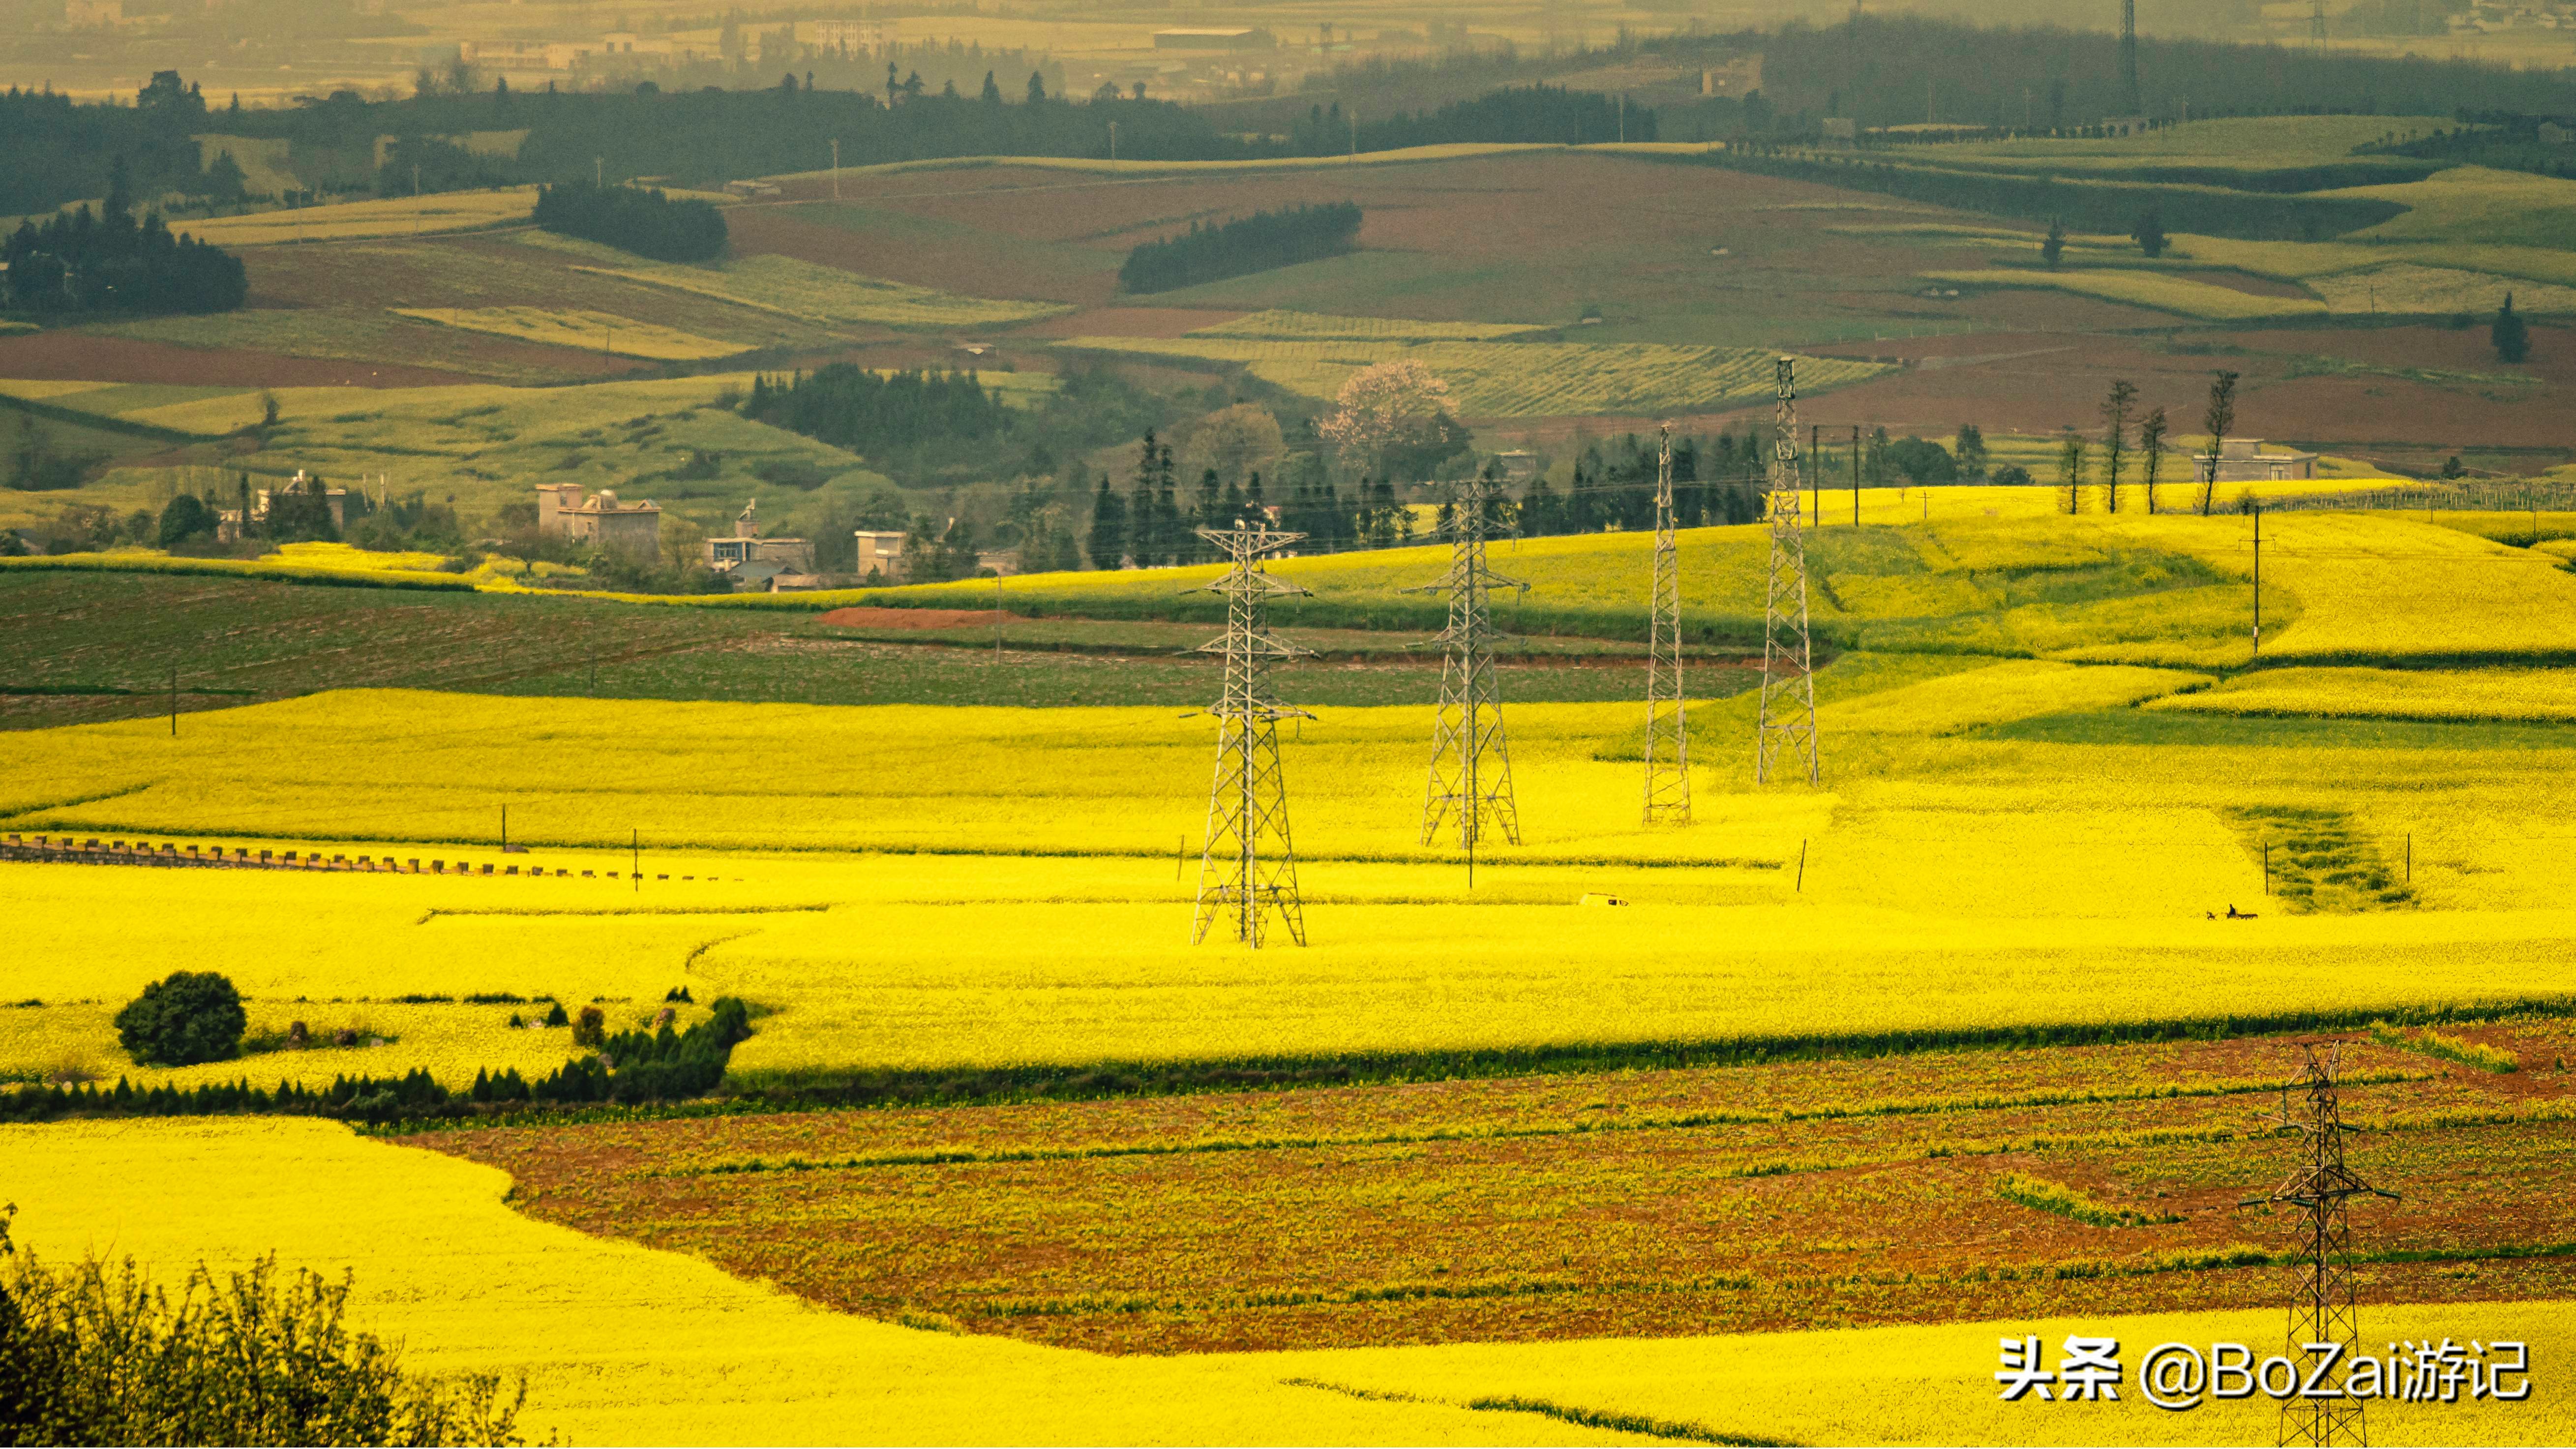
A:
(1841, 130)
(1214, 38)
(880, 556)
(1519, 465)
(852, 37)
(599, 519)
(509, 55)
(2554, 134)
(228, 521)
(2242, 460)
(93, 14)
(1739, 77)
(1001, 563)
(750, 561)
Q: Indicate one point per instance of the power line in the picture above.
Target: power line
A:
(1248, 868)
(1471, 762)
(2321, 1302)
(1788, 713)
(1667, 709)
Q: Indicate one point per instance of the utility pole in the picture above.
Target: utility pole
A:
(415, 180)
(1816, 475)
(1113, 143)
(599, 172)
(174, 701)
(1354, 117)
(1248, 869)
(2317, 25)
(2258, 578)
(1471, 762)
(1667, 712)
(836, 168)
(1855, 462)
(1788, 683)
(2321, 1302)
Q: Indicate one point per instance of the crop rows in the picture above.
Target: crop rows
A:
(623, 336)
(1325, 327)
(826, 294)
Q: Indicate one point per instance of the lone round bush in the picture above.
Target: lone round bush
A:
(192, 1016)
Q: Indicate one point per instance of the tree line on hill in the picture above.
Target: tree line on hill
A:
(1240, 246)
(1519, 115)
(1717, 480)
(644, 221)
(108, 261)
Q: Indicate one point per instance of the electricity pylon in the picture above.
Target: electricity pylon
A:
(2321, 1305)
(2129, 58)
(1788, 683)
(1471, 764)
(1667, 716)
(1248, 869)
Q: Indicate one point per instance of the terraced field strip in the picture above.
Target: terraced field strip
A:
(349, 221)
(1759, 1197)
(1325, 327)
(794, 288)
(605, 331)
(2165, 293)
(1513, 379)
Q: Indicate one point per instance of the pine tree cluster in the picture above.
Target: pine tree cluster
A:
(1243, 245)
(872, 413)
(646, 222)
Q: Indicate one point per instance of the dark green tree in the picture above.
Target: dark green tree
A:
(992, 95)
(2149, 234)
(1970, 453)
(1108, 542)
(185, 1018)
(186, 520)
(2512, 339)
(2054, 246)
(1037, 88)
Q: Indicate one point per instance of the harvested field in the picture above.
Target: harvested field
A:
(101, 357)
(1677, 1202)
(910, 618)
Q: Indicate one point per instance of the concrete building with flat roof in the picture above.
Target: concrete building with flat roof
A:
(601, 519)
(880, 555)
(2242, 460)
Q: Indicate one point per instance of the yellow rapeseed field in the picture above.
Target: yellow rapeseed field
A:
(624, 1344)
(2019, 857)
(351, 220)
(622, 336)
(2159, 290)
(2519, 696)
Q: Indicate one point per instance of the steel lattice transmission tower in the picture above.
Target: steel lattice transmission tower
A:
(1471, 764)
(2321, 1304)
(1248, 869)
(2129, 57)
(1788, 718)
(1667, 715)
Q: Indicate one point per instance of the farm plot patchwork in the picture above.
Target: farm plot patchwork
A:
(1751, 1197)
(443, 1264)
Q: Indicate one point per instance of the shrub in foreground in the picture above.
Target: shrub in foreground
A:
(96, 1353)
(185, 1018)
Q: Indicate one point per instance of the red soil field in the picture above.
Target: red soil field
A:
(863, 618)
(85, 355)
